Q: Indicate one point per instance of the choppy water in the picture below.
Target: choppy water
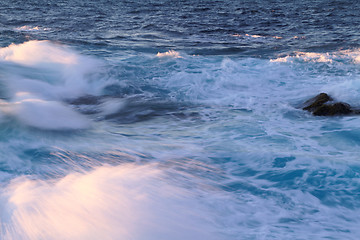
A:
(178, 120)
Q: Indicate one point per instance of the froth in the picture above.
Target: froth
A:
(27, 28)
(124, 202)
(39, 113)
(226, 82)
(37, 52)
(170, 53)
(64, 72)
(254, 37)
(38, 76)
(328, 57)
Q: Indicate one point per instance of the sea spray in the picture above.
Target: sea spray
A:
(48, 69)
(178, 119)
(121, 202)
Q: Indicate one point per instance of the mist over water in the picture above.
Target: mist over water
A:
(178, 120)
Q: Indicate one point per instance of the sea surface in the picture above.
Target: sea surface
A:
(181, 119)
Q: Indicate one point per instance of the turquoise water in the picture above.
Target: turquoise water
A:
(178, 120)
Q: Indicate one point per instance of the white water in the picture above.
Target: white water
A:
(124, 202)
(38, 75)
(48, 70)
(215, 175)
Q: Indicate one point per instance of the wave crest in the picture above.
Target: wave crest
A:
(170, 53)
(124, 202)
(352, 56)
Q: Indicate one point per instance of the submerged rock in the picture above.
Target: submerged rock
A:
(317, 101)
(86, 100)
(319, 106)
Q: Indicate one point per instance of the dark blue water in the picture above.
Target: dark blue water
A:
(197, 27)
(178, 120)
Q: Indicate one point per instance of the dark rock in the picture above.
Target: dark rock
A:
(356, 111)
(333, 109)
(317, 101)
(86, 100)
(320, 106)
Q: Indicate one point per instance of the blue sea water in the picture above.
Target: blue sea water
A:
(178, 120)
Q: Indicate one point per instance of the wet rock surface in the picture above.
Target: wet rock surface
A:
(324, 105)
(317, 101)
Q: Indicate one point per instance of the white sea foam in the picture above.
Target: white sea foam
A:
(346, 90)
(328, 57)
(43, 114)
(307, 57)
(170, 53)
(33, 53)
(343, 86)
(247, 35)
(39, 76)
(255, 36)
(353, 54)
(228, 82)
(124, 202)
(129, 202)
(27, 28)
(65, 73)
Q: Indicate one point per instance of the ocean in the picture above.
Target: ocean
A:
(173, 120)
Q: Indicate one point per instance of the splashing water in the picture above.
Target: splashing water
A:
(108, 133)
